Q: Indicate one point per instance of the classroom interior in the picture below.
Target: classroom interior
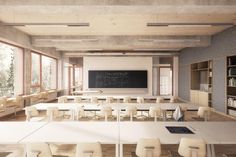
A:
(154, 78)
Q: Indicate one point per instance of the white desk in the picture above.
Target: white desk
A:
(119, 97)
(87, 92)
(77, 132)
(115, 106)
(221, 132)
(13, 132)
(211, 132)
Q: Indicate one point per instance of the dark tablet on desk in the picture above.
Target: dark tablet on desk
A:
(179, 130)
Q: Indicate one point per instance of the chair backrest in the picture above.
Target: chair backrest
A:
(31, 111)
(94, 100)
(62, 99)
(154, 111)
(190, 147)
(80, 111)
(204, 112)
(140, 100)
(131, 110)
(106, 110)
(89, 150)
(126, 99)
(148, 148)
(38, 149)
(18, 99)
(173, 99)
(159, 99)
(3, 102)
(44, 95)
(78, 99)
(109, 100)
(52, 112)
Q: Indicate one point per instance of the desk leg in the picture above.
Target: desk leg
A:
(121, 150)
(213, 153)
(209, 150)
(117, 150)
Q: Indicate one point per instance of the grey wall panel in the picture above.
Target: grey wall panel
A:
(223, 44)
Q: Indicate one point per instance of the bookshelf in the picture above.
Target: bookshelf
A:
(201, 83)
(231, 85)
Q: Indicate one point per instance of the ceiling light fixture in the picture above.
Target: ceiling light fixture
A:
(158, 49)
(66, 40)
(169, 40)
(47, 24)
(188, 24)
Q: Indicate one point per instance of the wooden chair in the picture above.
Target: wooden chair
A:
(89, 150)
(190, 147)
(148, 148)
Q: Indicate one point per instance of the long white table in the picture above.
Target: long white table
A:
(118, 133)
(13, 132)
(77, 132)
(211, 132)
(115, 106)
(118, 97)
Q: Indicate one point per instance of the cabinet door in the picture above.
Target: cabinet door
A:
(203, 98)
(194, 96)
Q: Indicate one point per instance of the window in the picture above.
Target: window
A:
(165, 81)
(35, 72)
(11, 70)
(49, 72)
(43, 73)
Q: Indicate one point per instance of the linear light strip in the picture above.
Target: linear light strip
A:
(187, 24)
(48, 24)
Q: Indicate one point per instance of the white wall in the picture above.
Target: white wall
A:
(119, 63)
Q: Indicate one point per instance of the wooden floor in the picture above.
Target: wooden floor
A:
(109, 150)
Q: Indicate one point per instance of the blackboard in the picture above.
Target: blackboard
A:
(117, 79)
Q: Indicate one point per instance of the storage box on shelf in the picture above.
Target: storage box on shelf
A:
(201, 83)
(231, 86)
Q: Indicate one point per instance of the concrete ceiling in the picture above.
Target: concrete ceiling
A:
(119, 25)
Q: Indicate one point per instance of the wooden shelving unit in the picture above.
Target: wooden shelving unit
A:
(231, 86)
(201, 83)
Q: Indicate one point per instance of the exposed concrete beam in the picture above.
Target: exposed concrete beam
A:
(117, 2)
(104, 9)
(71, 43)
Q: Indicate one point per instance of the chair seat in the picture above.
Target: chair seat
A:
(37, 119)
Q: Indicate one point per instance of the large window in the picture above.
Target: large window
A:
(35, 73)
(11, 70)
(43, 73)
(49, 72)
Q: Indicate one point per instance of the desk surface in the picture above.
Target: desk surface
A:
(76, 132)
(113, 132)
(211, 132)
(13, 132)
(115, 106)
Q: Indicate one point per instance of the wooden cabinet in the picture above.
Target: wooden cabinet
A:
(201, 83)
(199, 97)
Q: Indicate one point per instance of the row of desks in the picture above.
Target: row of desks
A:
(117, 97)
(115, 106)
(118, 133)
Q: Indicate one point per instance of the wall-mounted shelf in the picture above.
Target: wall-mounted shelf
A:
(201, 83)
(231, 85)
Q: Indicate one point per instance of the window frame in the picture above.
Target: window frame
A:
(23, 63)
(40, 71)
